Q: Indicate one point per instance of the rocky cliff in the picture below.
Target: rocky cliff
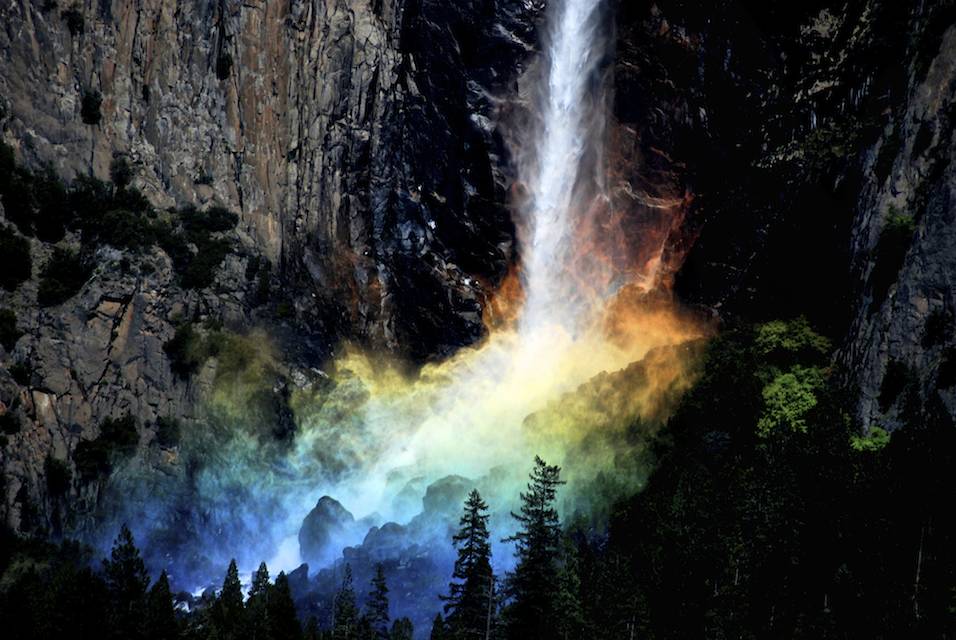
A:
(816, 141)
(797, 157)
(357, 143)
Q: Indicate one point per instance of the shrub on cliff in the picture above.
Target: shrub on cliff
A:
(9, 331)
(58, 476)
(117, 441)
(16, 265)
(90, 107)
(74, 20)
(891, 250)
(187, 351)
(9, 422)
(62, 277)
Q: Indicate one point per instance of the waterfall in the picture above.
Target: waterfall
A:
(570, 111)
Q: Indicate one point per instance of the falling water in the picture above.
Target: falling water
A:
(389, 436)
(571, 121)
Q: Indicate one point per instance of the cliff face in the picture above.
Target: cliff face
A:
(781, 160)
(816, 141)
(352, 137)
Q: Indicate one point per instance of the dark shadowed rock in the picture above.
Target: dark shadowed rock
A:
(327, 523)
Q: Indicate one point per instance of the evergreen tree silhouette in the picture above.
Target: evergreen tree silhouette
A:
(228, 612)
(281, 613)
(257, 604)
(402, 629)
(439, 629)
(533, 587)
(469, 605)
(160, 615)
(346, 615)
(127, 581)
(377, 605)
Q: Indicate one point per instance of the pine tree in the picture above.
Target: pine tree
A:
(127, 581)
(281, 613)
(439, 629)
(160, 615)
(533, 586)
(312, 630)
(377, 605)
(402, 629)
(569, 611)
(346, 615)
(256, 605)
(469, 604)
(228, 612)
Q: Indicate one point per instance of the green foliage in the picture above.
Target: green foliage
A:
(90, 107)
(58, 476)
(16, 265)
(875, 440)
(105, 213)
(890, 253)
(197, 269)
(9, 331)
(727, 513)
(783, 341)
(62, 277)
(789, 398)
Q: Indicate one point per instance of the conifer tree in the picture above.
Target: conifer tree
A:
(256, 605)
(377, 605)
(312, 630)
(402, 629)
(439, 629)
(568, 609)
(160, 615)
(228, 612)
(281, 613)
(533, 586)
(346, 615)
(469, 605)
(127, 581)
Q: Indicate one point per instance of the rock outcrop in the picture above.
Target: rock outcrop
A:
(356, 139)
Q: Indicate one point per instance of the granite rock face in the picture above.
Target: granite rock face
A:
(354, 138)
(357, 142)
(802, 133)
